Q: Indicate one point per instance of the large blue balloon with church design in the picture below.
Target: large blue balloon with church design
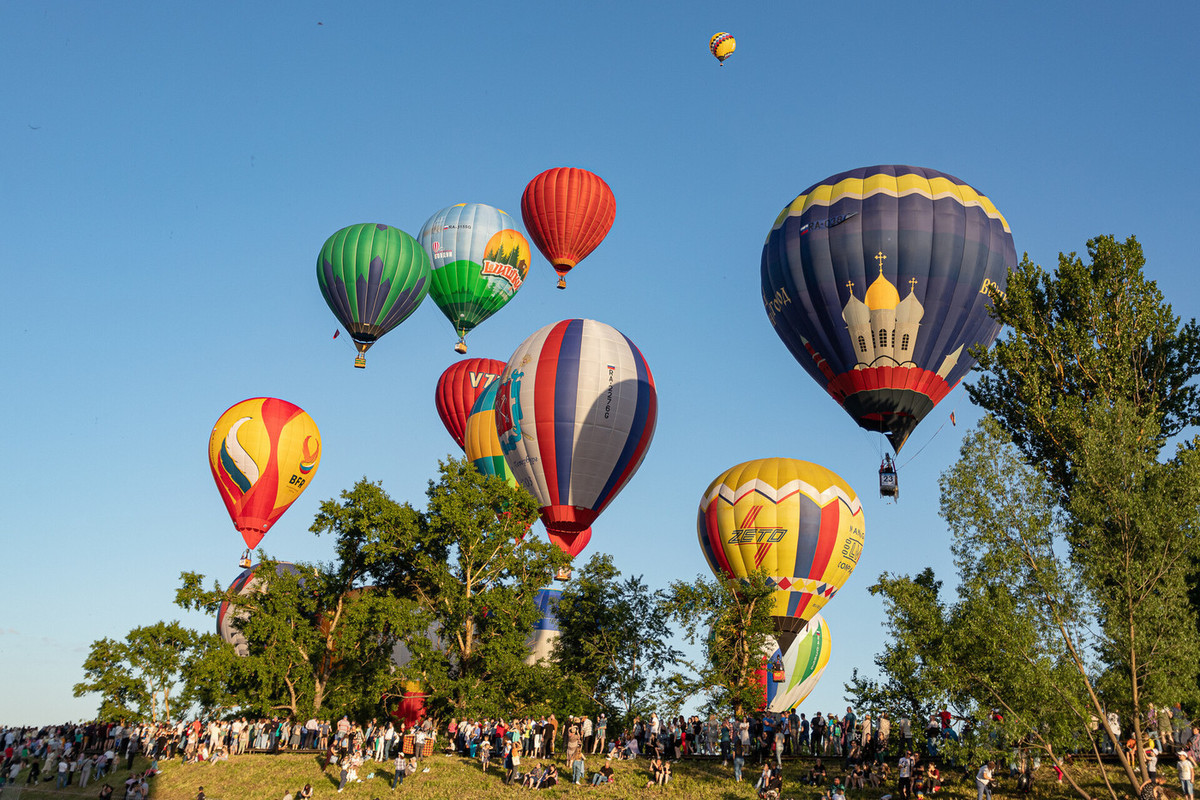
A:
(878, 281)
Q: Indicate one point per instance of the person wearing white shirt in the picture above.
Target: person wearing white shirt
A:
(983, 780)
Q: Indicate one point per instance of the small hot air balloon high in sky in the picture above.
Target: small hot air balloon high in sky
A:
(372, 277)
(722, 45)
(567, 212)
(797, 520)
(479, 261)
(263, 453)
(459, 387)
(575, 414)
(878, 280)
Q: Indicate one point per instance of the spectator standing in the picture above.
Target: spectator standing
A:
(983, 780)
(1187, 773)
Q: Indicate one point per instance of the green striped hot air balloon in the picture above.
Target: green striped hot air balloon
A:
(373, 277)
(479, 260)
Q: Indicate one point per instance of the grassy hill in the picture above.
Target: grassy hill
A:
(266, 777)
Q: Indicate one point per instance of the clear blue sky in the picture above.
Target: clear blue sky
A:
(169, 172)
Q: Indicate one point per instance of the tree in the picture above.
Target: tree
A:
(732, 620)
(1093, 380)
(471, 571)
(613, 638)
(318, 640)
(1080, 340)
(910, 683)
(136, 678)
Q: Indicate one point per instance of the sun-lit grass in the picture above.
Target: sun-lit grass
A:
(266, 777)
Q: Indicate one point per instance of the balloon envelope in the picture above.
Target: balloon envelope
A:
(545, 632)
(877, 280)
(459, 387)
(246, 582)
(479, 261)
(791, 675)
(797, 520)
(575, 414)
(722, 45)
(482, 443)
(568, 212)
(263, 452)
(373, 277)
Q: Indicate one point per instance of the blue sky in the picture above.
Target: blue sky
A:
(168, 175)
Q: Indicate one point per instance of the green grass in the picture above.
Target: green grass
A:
(266, 777)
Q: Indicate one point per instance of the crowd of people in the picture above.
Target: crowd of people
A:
(863, 750)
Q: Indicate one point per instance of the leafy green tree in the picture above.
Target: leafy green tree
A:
(318, 640)
(909, 683)
(613, 639)
(731, 620)
(136, 678)
(1079, 340)
(471, 571)
(1093, 380)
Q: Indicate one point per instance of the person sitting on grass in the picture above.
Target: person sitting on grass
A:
(816, 775)
(605, 775)
(550, 778)
(656, 769)
(534, 777)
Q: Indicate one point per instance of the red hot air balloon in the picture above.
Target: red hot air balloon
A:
(567, 212)
(459, 387)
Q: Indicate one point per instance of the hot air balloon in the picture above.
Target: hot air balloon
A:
(791, 675)
(263, 453)
(545, 630)
(373, 277)
(878, 281)
(479, 261)
(575, 413)
(797, 520)
(459, 387)
(228, 617)
(568, 212)
(481, 443)
(722, 45)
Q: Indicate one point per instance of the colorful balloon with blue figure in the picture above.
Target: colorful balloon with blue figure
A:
(878, 281)
(479, 261)
(575, 415)
(481, 442)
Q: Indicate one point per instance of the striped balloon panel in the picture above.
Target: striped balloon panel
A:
(798, 521)
(481, 442)
(576, 411)
(802, 664)
(545, 630)
(877, 280)
(373, 277)
(567, 212)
